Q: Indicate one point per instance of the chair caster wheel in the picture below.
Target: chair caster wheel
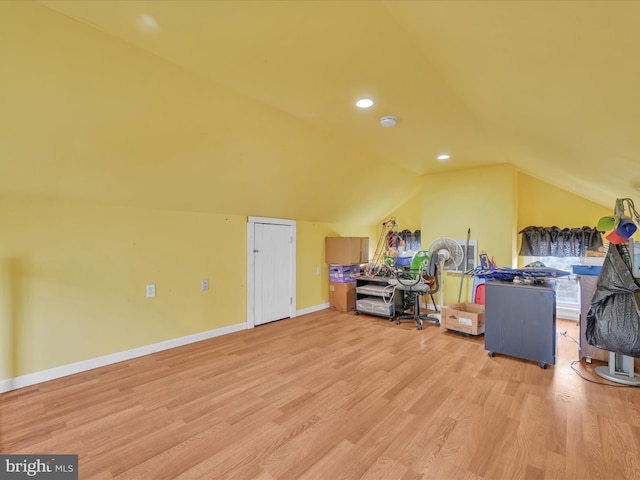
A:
(491, 354)
(437, 324)
(543, 365)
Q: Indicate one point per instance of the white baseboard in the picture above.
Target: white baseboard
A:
(315, 308)
(82, 366)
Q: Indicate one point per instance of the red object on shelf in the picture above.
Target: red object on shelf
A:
(479, 298)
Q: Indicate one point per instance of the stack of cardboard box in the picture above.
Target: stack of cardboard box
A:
(344, 256)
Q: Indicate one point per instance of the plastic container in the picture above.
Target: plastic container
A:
(403, 261)
(586, 269)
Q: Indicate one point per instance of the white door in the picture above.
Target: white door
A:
(273, 260)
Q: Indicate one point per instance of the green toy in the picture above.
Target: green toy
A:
(419, 265)
(419, 261)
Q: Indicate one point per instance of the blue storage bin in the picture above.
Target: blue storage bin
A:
(403, 261)
(586, 269)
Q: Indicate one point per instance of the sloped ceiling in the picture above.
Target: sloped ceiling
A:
(550, 87)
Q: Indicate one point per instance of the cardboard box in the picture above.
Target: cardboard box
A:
(342, 296)
(464, 317)
(343, 273)
(346, 250)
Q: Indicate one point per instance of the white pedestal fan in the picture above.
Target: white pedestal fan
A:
(450, 255)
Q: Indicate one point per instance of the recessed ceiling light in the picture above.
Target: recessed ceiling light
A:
(364, 103)
(443, 157)
(147, 23)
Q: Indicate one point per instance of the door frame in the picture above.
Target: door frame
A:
(251, 222)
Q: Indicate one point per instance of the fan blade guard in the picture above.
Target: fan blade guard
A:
(448, 251)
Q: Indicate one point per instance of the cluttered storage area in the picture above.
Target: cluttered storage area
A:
(584, 274)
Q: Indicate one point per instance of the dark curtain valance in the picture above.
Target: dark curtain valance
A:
(411, 240)
(559, 242)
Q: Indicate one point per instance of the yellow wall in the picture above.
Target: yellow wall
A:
(73, 278)
(541, 204)
(409, 214)
(313, 289)
(7, 351)
(482, 199)
(78, 275)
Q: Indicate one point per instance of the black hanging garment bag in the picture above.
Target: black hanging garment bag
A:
(613, 321)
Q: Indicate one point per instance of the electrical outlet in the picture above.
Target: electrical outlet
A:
(205, 284)
(151, 290)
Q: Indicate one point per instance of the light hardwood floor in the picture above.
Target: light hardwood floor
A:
(333, 396)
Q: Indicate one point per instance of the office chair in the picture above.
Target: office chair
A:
(415, 285)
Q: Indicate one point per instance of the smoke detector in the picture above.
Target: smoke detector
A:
(388, 121)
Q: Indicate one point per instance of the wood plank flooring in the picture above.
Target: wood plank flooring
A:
(333, 396)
